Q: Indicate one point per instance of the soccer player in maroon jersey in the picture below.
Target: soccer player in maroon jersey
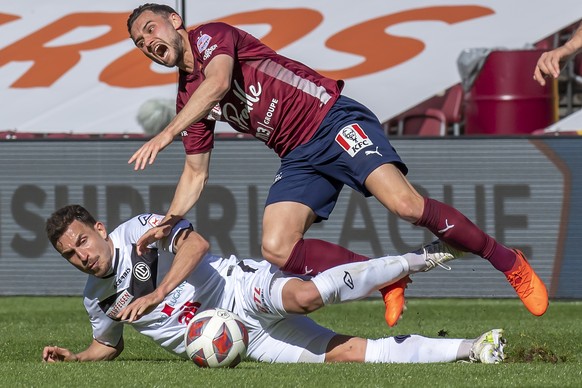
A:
(325, 141)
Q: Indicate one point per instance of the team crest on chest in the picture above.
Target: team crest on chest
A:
(142, 272)
(353, 139)
(202, 42)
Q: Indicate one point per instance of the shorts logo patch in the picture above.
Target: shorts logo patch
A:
(353, 139)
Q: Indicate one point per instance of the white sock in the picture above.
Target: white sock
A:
(358, 280)
(416, 261)
(412, 348)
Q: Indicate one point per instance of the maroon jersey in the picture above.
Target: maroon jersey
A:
(278, 100)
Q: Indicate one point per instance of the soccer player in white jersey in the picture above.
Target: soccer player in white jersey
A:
(159, 292)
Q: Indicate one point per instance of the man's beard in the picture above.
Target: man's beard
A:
(178, 46)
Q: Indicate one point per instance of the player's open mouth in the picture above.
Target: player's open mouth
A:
(161, 50)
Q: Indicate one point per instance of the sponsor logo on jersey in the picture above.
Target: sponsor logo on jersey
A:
(174, 296)
(353, 139)
(188, 311)
(208, 52)
(167, 310)
(141, 271)
(278, 177)
(264, 129)
(121, 278)
(184, 133)
(240, 117)
(258, 298)
(202, 42)
(122, 300)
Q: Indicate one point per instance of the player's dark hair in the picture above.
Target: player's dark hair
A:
(60, 220)
(160, 9)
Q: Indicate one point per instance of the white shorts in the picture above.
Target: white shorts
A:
(275, 335)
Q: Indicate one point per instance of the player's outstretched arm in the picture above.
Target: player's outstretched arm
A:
(190, 248)
(192, 182)
(218, 75)
(95, 352)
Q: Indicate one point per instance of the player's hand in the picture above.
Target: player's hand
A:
(140, 307)
(56, 354)
(549, 65)
(151, 236)
(148, 152)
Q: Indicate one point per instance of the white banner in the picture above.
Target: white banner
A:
(69, 66)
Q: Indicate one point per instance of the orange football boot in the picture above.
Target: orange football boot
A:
(393, 296)
(529, 287)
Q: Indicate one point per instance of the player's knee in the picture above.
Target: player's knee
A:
(275, 250)
(408, 208)
(305, 299)
(309, 298)
(273, 256)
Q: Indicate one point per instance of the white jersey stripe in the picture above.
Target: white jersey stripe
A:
(275, 70)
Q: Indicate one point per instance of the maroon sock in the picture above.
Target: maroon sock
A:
(452, 227)
(310, 257)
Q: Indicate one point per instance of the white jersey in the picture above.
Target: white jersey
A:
(134, 276)
(242, 286)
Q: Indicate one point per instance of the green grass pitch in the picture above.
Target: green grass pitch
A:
(542, 352)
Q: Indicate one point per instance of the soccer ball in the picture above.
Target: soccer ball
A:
(216, 338)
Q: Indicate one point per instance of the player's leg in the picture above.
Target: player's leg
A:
(354, 281)
(296, 200)
(300, 196)
(392, 189)
(343, 283)
(351, 154)
(284, 224)
(399, 349)
(293, 339)
(368, 163)
(488, 348)
(298, 339)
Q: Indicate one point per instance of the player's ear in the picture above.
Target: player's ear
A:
(176, 21)
(100, 228)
